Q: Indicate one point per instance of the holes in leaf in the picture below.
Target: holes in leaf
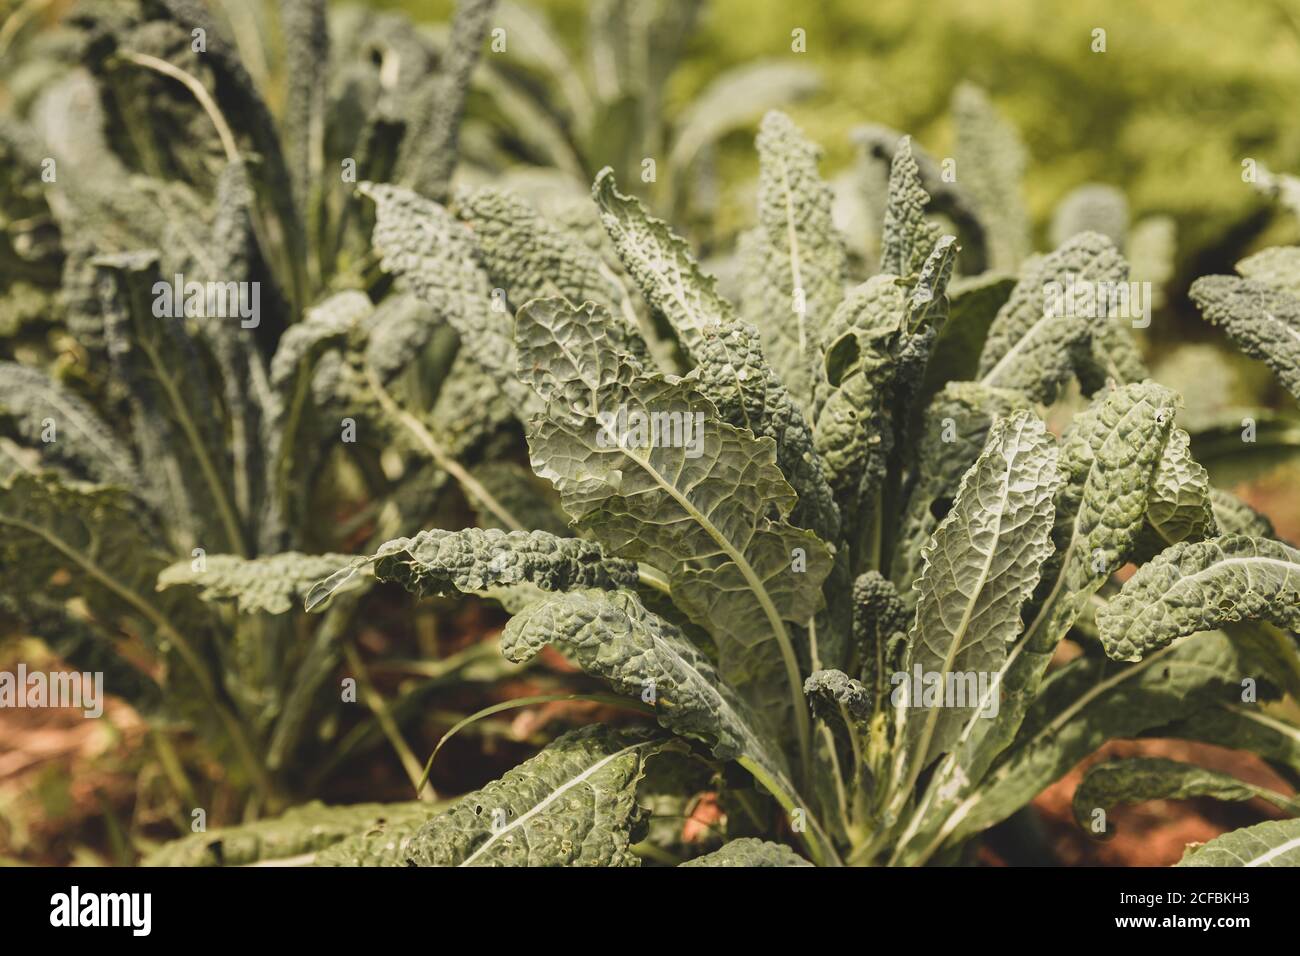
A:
(841, 357)
(940, 507)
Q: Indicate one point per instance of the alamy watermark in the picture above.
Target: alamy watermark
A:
(130, 910)
(927, 689)
(1084, 298)
(84, 690)
(639, 429)
(208, 300)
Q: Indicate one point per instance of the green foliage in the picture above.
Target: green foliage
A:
(998, 537)
(307, 830)
(747, 852)
(1153, 778)
(820, 529)
(1275, 843)
(179, 467)
(574, 804)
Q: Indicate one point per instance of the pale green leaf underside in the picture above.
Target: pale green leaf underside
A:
(794, 261)
(1178, 505)
(302, 830)
(662, 265)
(1106, 460)
(709, 510)
(953, 432)
(981, 565)
(1275, 843)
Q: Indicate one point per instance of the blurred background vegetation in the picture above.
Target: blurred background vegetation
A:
(1185, 90)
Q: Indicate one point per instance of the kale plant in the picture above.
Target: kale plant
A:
(811, 527)
(177, 466)
(834, 572)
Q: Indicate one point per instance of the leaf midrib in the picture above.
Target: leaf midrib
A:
(553, 796)
(210, 477)
(756, 586)
(959, 634)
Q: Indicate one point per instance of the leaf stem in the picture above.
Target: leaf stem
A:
(225, 509)
(197, 89)
(652, 577)
(814, 837)
(517, 702)
(375, 701)
(444, 461)
(228, 146)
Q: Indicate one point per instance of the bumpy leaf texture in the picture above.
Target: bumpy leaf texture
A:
(710, 511)
(1262, 321)
(476, 559)
(1242, 727)
(613, 636)
(1178, 504)
(906, 236)
(731, 372)
(302, 830)
(750, 851)
(574, 804)
(1199, 586)
(952, 435)
(1080, 707)
(795, 261)
(1234, 516)
(271, 585)
(1107, 460)
(437, 255)
(662, 265)
(527, 254)
(1030, 344)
